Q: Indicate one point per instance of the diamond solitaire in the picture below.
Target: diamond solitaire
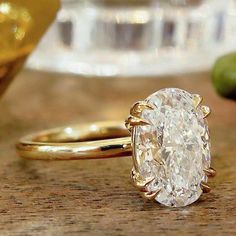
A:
(169, 143)
(171, 147)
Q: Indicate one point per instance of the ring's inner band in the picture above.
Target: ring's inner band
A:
(84, 141)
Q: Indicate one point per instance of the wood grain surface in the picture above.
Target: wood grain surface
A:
(96, 197)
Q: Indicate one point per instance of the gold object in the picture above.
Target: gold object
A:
(197, 99)
(85, 141)
(206, 111)
(142, 185)
(102, 140)
(22, 24)
(210, 172)
(134, 119)
(205, 187)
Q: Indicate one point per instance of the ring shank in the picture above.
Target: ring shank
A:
(85, 141)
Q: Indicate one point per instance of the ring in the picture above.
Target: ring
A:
(85, 141)
(169, 145)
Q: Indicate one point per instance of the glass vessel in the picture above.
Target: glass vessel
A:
(107, 38)
(21, 27)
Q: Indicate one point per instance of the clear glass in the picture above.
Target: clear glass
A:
(137, 38)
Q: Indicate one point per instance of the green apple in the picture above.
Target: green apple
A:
(224, 75)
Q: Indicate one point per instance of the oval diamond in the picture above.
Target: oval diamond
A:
(174, 148)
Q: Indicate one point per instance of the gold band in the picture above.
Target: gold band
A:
(78, 142)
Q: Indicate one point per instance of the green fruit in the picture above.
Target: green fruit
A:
(224, 75)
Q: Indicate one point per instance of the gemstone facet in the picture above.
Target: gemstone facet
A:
(174, 148)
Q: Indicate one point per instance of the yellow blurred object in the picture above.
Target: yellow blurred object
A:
(22, 24)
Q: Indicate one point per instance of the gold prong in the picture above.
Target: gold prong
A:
(210, 172)
(134, 121)
(205, 187)
(197, 99)
(151, 195)
(138, 107)
(142, 185)
(206, 111)
(138, 183)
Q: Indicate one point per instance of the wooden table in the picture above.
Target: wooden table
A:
(96, 197)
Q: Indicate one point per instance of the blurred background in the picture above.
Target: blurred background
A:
(118, 38)
(107, 38)
(95, 58)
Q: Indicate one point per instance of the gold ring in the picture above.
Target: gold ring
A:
(169, 144)
(85, 141)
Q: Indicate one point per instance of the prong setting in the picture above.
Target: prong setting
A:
(138, 107)
(135, 115)
(138, 182)
(134, 121)
(150, 195)
(205, 187)
(155, 153)
(197, 99)
(206, 111)
(210, 172)
(142, 186)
